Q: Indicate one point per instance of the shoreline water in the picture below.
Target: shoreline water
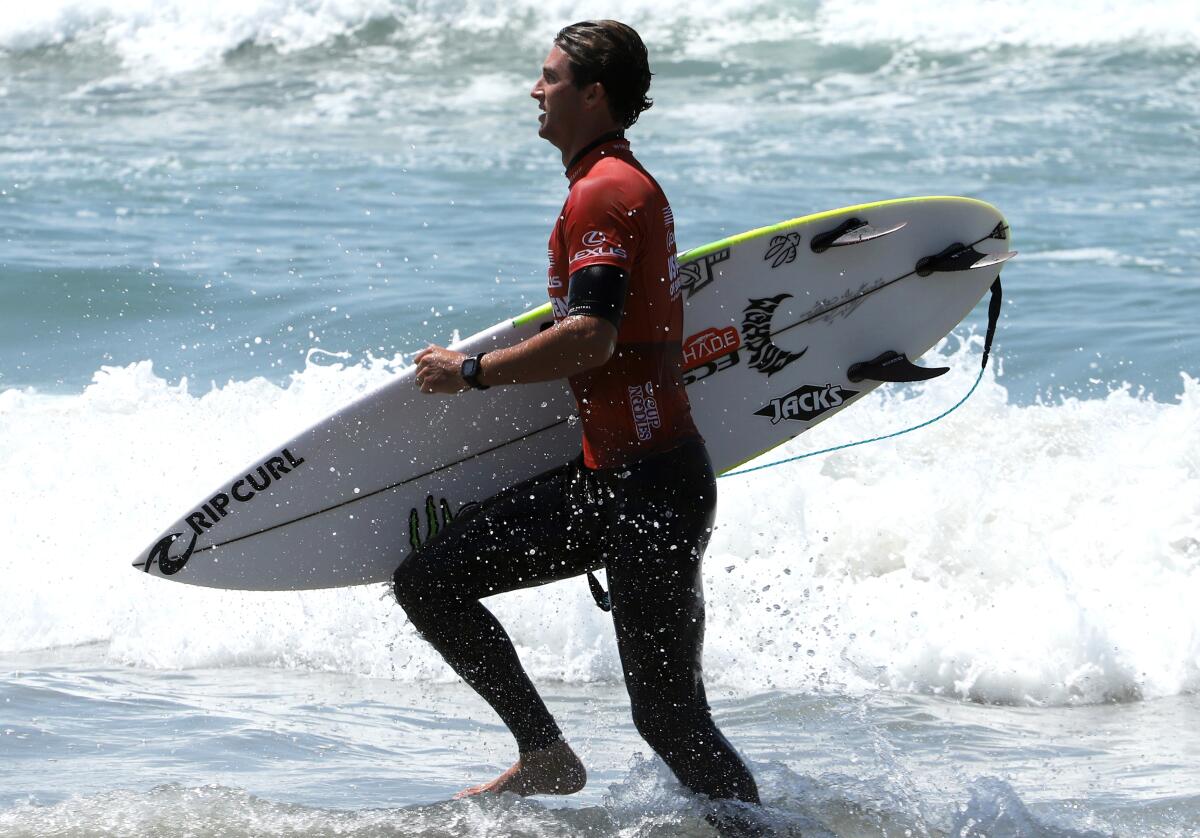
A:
(307, 752)
(220, 223)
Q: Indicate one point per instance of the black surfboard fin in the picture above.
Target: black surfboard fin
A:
(892, 366)
(603, 600)
(959, 257)
(851, 231)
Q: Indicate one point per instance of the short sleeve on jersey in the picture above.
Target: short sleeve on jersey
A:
(598, 229)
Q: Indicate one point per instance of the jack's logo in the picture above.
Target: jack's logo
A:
(765, 356)
(805, 403)
(160, 554)
(438, 516)
(698, 274)
(782, 249)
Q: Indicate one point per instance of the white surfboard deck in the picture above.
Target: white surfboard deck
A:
(771, 329)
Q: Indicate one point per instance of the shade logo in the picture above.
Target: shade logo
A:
(709, 345)
(765, 356)
(805, 403)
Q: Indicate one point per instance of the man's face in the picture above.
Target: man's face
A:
(561, 102)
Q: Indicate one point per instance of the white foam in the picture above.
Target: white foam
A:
(170, 36)
(1039, 553)
(177, 35)
(934, 25)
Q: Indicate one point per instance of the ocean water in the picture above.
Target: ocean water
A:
(222, 220)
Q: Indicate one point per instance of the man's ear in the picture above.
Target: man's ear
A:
(595, 94)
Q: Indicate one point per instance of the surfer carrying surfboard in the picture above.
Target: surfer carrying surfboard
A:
(640, 499)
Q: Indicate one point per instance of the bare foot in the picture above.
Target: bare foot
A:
(552, 770)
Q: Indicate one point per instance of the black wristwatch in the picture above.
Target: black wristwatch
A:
(471, 369)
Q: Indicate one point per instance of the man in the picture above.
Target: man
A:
(640, 500)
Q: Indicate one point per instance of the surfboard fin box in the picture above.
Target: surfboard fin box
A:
(959, 257)
(892, 366)
(851, 231)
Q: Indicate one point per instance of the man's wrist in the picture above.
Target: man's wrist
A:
(472, 371)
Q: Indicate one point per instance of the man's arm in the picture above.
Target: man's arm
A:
(583, 340)
(571, 346)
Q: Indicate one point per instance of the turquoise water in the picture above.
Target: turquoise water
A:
(219, 220)
(223, 220)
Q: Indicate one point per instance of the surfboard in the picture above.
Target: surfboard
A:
(785, 327)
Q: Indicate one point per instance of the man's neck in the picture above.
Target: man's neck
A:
(573, 155)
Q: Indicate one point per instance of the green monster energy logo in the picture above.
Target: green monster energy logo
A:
(438, 516)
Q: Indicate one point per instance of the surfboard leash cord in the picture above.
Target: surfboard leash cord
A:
(993, 316)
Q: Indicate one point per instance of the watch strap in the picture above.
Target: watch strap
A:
(471, 369)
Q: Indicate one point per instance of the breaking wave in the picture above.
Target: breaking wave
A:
(1045, 553)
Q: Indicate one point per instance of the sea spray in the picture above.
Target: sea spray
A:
(1041, 553)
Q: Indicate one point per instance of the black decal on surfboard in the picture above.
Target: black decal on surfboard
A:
(703, 371)
(805, 403)
(160, 553)
(765, 356)
(241, 490)
(1001, 231)
(697, 274)
(782, 249)
(434, 522)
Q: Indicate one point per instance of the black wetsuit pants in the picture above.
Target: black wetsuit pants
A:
(647, 525)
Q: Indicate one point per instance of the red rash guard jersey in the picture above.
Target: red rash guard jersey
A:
(635, 404)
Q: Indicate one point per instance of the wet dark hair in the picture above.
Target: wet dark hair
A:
(609, 52)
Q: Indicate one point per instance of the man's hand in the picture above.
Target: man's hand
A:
(439, 370)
